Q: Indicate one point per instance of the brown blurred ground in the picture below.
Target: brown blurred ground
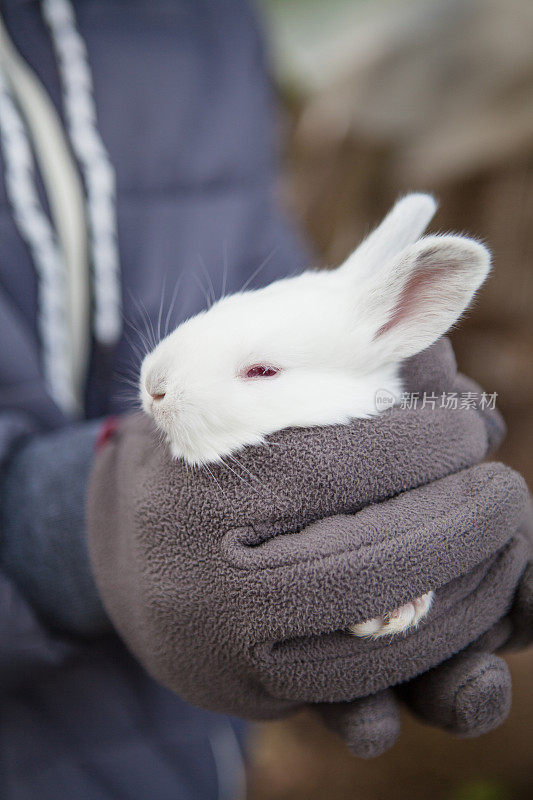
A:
(352, 150)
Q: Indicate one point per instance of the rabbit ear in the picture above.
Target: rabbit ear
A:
(421, 293)
(402, 226)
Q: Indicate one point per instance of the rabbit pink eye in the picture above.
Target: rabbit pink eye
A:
(261, 371)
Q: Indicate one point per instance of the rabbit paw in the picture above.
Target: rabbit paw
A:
(397, 621)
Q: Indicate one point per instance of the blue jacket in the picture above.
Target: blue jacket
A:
(184, 111)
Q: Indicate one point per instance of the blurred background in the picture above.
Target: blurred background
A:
(381, 97)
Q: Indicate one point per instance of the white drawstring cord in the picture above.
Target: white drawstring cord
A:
(80, 112)
(59, 246)
(35, 229)
(60, 255)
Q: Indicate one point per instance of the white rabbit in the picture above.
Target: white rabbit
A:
(313, 349)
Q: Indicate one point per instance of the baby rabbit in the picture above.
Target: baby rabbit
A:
(313, 349)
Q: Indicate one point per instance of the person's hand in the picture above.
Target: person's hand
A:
(235, 585)
(470, 693)
(467, 695)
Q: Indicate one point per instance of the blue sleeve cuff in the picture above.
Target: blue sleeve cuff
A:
(43, 543)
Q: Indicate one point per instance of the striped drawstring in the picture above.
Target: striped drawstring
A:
(31, 133)
(95, 165)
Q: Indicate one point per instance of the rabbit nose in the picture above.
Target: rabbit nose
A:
(155, 387)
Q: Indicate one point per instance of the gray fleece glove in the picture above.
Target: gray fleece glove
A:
(236, 590)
